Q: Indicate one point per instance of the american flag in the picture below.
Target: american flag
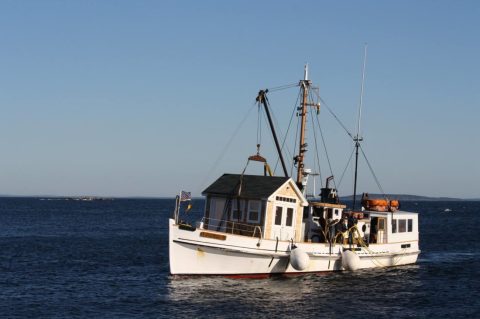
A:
(184, 196)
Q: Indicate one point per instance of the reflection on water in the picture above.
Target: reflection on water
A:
(447, 257)
(400, 292)
(324, 295)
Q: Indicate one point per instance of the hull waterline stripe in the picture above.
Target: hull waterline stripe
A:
(202, 244)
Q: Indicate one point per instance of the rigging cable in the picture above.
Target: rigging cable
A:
(286, 134)
(296, 137)
(271, 138)
(348, 164)
(273, 141)
(333, 114)
(316, 158)
(283, 87)
(225, 148)
(326, 153)
(373, 173)
(259, 127)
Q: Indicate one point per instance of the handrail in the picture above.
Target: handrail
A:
(230, 226)
(259, 229)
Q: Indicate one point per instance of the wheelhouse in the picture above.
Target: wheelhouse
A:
(257, 206)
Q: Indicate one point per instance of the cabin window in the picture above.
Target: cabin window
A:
(216, 214)
(286, 199)
(278, 215)
(237, 212)
(394, 226)
(402, 225)
(410, 225)
(381, 224)
(254, 211)
(289, 216)
(318, 212)
(329, 213)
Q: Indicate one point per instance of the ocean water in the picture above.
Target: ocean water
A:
(109, 259)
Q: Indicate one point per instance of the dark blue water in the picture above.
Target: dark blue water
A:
(109, 259)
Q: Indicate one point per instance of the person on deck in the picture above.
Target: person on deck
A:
(352, 221)
(343, 229)
(331, 225)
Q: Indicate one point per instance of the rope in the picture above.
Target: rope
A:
(374, 258)
(360, 240)
(363, 244)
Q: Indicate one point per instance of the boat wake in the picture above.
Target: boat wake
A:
(446, 257)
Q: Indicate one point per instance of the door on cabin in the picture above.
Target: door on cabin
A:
(382, 232)
(283, 226)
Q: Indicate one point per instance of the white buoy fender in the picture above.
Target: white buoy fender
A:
(350, 260)
(299, 259)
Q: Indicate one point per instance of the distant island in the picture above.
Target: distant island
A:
(76, 198)
(410, 198)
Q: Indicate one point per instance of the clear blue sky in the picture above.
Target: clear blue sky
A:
(139, 98)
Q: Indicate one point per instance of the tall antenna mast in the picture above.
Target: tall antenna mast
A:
(357, 139)
(299, 159)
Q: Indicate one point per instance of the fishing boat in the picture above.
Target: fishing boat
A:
(263, 225)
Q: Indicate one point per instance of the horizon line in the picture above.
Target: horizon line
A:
(202, 197)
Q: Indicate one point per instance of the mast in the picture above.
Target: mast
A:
(299, 159)
(357, 139)
(357, 145)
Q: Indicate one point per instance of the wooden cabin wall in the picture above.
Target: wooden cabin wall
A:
(268, 218)
(286, 191)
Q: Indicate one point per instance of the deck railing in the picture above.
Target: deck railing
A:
(232, 227)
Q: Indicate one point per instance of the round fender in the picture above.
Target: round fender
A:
(350, 260)
(299, 259)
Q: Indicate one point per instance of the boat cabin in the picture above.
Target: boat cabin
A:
(378, 222)
(267, 207)
(272, 207)
(331, 223)
(389, 227)
(385, 223)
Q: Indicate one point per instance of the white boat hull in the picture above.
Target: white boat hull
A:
(206, 252)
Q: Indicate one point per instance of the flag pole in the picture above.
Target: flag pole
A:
(177, 208)
(182, 197)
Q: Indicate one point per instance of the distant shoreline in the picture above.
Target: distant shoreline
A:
(412, 198)
(401, 197)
